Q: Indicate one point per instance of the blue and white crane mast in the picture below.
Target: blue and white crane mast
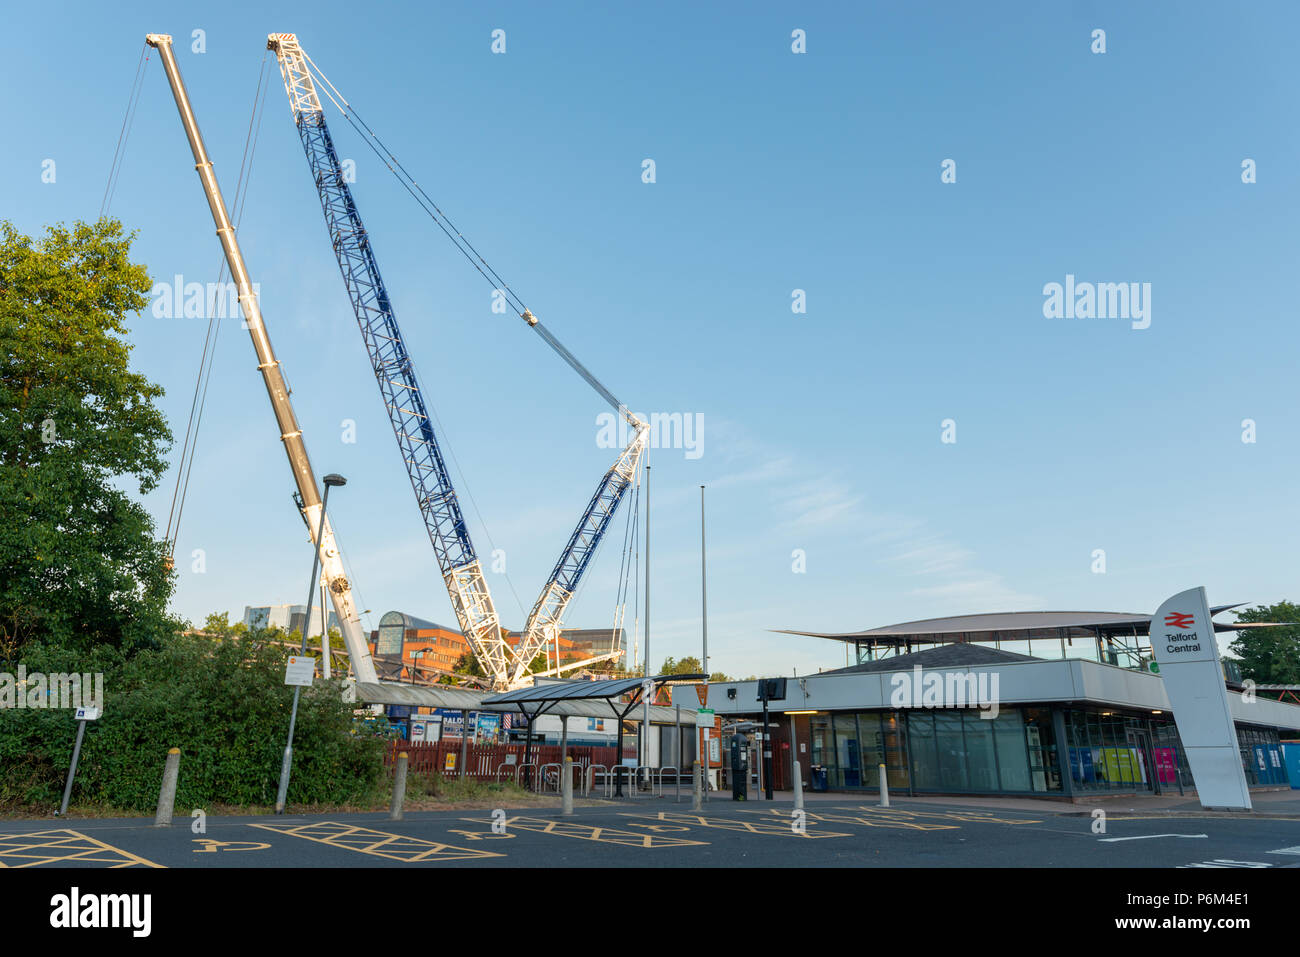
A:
(506, 667)
(461, 571)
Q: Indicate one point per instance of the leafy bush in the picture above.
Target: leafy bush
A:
(223, 702)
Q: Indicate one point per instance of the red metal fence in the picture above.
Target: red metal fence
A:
(482, 760)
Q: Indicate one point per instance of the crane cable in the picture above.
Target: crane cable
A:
(481, 265)
(124, 134)
(185, 465)
(459, 240)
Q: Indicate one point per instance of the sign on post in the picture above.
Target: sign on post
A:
(300, 670)
(88, 714)
(1182, 637)
(704, 718)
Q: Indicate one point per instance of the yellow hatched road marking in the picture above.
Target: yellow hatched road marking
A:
(63, 846)
(587, 832)
(782, 828)
(824, 818)
(366, 840)
(971, 816)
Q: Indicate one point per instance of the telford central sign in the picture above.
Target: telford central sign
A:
(1182, 638)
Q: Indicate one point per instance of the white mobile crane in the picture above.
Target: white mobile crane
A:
(340, 590)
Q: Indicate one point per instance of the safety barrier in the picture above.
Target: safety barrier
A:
(480, 761)
(519, 770)
(664, 770)
(541, 786)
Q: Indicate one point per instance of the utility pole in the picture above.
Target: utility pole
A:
(704, 591)
(646, 694)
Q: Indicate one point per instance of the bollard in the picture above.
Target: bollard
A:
(697, 799)
(167, 796)
(399, 788)
(566, 789)
(884, 788)
(798, 787)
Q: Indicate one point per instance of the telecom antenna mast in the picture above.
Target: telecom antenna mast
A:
(290, 434)
(506, 667)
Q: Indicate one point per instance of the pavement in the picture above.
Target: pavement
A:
(832, 830)
(1283, 803)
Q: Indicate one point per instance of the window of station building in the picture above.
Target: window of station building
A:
(1108, 751)
(853, 746)
(847, 769)
(951, 750)
(1040, 745)
(921, 750)
(823, 747)
(981, 756)
(1261, 755)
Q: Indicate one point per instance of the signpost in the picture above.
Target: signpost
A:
(300, 671)
(83, 715)
(1182, 636)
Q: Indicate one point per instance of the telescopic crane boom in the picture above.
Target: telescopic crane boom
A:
(290, 434)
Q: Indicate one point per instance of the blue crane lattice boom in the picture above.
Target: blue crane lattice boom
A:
(461, 570)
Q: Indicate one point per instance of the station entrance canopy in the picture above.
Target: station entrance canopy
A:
(587, 699)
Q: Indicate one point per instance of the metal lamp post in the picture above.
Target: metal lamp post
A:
(331, 480)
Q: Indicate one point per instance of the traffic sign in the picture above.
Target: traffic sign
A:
(300, 670)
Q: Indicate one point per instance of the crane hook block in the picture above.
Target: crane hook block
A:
(528, 317)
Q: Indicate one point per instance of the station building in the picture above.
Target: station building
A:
(1048, 704)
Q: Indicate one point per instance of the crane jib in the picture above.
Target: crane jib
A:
(411, 423)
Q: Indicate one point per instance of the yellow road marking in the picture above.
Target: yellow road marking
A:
(782, 828)
(365, 840)
(824, 818)
(212, 847)
(971, 816)
(586, 832)
(63, 846)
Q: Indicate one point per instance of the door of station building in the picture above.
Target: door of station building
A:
(1140, 739)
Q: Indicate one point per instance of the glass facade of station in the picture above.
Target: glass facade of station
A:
(1018, 751)
(941, 750)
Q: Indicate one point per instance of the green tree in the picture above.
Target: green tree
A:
(79, 562)
(687, 666)
(1269, 655)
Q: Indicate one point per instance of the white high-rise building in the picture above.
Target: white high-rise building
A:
(286, 617)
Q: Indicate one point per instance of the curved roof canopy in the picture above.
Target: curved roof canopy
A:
(1004, 625)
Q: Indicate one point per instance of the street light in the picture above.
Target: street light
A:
(330, 481)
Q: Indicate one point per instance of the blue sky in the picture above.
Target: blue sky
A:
(775, 172)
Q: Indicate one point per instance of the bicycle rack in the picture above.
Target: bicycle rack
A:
(540, 785)
(519, 769)
(676, 775)
(591, 778)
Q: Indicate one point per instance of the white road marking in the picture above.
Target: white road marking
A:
(1144, 837)
(1224, 862)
